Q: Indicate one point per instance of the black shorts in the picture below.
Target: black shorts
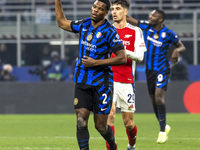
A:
(156, 80)
(94, 98)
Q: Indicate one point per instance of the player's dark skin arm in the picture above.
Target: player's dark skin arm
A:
(63, 23)
(118, 60)
(131, 20)
(179, 48)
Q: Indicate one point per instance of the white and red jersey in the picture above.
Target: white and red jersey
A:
(133, 40)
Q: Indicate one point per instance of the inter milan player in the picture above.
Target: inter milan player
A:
(124, 91)
(158, 39)
(93, 74)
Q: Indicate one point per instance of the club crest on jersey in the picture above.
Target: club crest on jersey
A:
(89, 37)
(163, 34)
(156, 36)
(98, 35)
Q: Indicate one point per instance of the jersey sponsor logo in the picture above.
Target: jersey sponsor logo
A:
(128, 36)
(90, 47)
(117, 39)
(126, 43)
(155, 42)
(142, 45)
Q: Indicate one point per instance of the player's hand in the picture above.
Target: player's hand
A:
(88, 61)
(174, 58)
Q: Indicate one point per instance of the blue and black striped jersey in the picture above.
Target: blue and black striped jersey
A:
(157, 43)
(97, 43)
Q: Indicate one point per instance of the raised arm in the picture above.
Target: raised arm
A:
(131, 20)
(63, 23)
(179, 48)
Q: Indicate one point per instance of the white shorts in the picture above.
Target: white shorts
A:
(124, 96)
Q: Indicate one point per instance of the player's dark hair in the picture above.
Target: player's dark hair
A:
(162, 13)
(107, 2)
(123, 3)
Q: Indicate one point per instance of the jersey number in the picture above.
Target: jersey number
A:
(105, 97)
(131, 98)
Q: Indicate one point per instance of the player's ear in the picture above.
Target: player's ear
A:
(160, 20)
(126, 12)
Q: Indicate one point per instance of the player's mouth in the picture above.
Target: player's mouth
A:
(94, 15)
(114, 17)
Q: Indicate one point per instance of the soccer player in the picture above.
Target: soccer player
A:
(158, 39)
(93, 74)
(124, 91)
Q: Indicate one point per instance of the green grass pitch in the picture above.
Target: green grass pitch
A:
(58, 132)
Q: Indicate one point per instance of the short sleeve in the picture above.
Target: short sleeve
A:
(115, 42)
(143, 24)
(76, 25)
(174, 37)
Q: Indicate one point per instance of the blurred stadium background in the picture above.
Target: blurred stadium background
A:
(28, 28)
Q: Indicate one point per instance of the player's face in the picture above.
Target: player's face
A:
(155, 18)
(98, 11)
(118, 12)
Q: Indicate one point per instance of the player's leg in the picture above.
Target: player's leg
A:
(160, 103)
(131, 129)
(82, 132)
(83, 105)
(151, 79)
(111, 120)
(103, 98)
(161, 87)
(105, 130)
(126, 101)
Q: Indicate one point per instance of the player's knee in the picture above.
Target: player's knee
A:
(159, 100)
(129, 124)
(100, 128)
(81, 122)
(111, 119)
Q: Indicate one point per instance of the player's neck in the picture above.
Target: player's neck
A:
(96, 24)
(158, 27)
(121, 24)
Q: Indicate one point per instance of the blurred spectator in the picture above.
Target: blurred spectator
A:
(43, 14)
(179, 72)
(57, 70)
(24, 57)
(3, 53)
(3, 11)
(45, 59)
(6, 73)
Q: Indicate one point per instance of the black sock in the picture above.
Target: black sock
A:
(162, 116)
(109, 137)
(155, 110)
(83, 138)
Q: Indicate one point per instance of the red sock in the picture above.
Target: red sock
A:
(113, 129)
(132, 135)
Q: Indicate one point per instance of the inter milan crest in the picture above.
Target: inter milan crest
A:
(89, 37)
(156, 36)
